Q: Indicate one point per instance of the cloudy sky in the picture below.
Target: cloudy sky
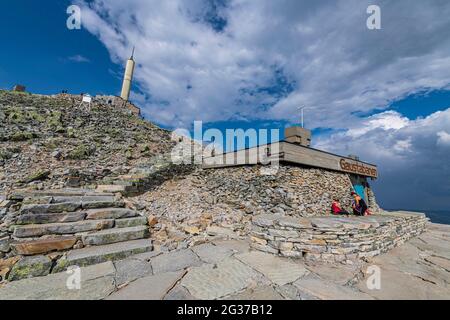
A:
(382, 94)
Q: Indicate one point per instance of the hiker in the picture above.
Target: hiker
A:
(336, 208)
(359, 205)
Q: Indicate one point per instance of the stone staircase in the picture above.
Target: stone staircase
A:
(59, 228)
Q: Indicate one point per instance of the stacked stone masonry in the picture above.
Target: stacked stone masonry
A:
(55, 229)
(292, 191)
(335, 239)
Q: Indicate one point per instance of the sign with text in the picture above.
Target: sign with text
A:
(358, 168)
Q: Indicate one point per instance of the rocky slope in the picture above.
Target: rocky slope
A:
(52, 141)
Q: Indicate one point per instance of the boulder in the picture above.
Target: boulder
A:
(27, 267)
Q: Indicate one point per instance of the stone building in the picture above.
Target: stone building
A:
(306, 178)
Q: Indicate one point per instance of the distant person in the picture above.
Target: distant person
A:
(359, 205)
(337, 209)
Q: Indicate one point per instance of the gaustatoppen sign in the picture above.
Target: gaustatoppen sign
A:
(358, 168)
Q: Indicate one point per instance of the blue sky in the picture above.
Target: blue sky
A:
(39, 48)
(240, 64)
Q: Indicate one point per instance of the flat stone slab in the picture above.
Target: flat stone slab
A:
(300, 223)
(278, 270)
(115, 235)
(43, 245)
(99, 254)
(354, 223)
(407, 213)
(50, 208)
(399, 285)
(174, 261)
(238, 246)
(110, 213)
(131, 222)
(326, 223)
(179, 293)
(37, 230)
(210, 253)
(82, 198)
(43, 218)
(327, 290)
(68, 192)
(130, 269)
(209, 281)
(148, 288)
(258, 293)
(415, 270)
(102, 204)
(97, 282)
(337, 273)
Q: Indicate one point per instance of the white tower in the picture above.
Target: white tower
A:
(128, 78)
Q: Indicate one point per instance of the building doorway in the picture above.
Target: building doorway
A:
(359, 185)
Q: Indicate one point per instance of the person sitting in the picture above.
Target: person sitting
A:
(336, 208)
(359, 205)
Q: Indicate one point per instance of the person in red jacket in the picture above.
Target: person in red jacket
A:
(336, 208)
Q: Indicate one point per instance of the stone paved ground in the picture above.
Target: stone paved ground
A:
(229, 269)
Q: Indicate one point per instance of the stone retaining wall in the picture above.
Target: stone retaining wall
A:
(335, 239)
(292, 191)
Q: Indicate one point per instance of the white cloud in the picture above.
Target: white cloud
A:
(78, 58)
(443, 139)
(385, 120)
(188, 70)
(413, 159)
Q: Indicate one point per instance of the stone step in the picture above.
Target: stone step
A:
(131, 222)
(44, 218)
(50, 208)
(111, 188)
(102, 204)
(37, 230)
(21, 194)
(96, 283)
(82, 199)
(69, 206)
(109, 236)
(41, 246)
(110, 213)
(98, 254)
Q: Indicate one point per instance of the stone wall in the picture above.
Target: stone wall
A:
(335, 239)
(292, 191)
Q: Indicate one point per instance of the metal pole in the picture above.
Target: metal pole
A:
(303, 118)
